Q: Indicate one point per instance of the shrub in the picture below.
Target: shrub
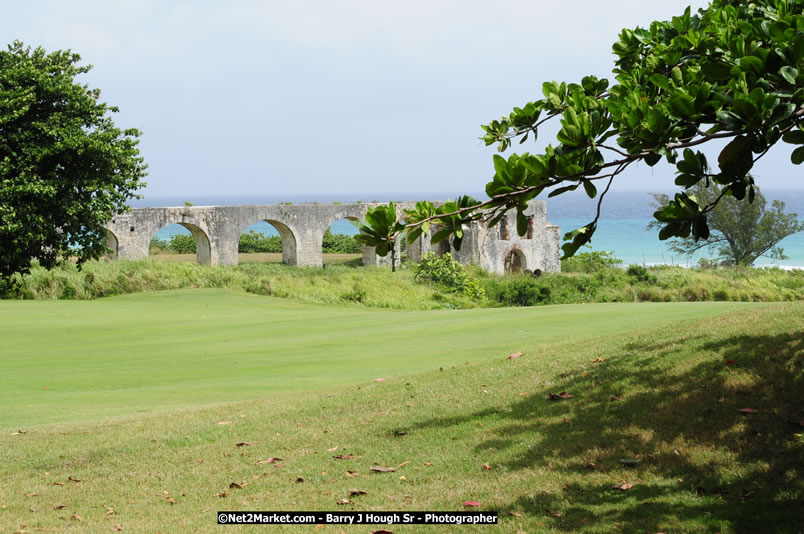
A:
(448, 273)
(339, 244)
(589, 262)
(640, 272)
(253, 241)
(517, 291)
(182, 244)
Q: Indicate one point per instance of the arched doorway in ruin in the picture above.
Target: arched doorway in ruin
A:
(514, 261)
(180, 242)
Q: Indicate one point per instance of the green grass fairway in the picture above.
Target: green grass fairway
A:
(670, 396)
(65, 361)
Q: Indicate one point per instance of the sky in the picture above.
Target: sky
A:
(351, 96)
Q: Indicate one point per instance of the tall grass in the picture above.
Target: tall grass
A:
(380, 288)
(337, 284)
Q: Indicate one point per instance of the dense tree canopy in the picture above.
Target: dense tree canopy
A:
(65, 168)
(734, 72)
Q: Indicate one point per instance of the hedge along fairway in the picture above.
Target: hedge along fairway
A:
(482, 432)
(76, 361)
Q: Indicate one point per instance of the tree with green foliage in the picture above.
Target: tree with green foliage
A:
(733, 72)
(339, 243)
(65, 168)
(380, 229)
(740, 232)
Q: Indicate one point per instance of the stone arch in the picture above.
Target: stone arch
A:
(286, 235)
(203, 250)
(113, 244)
(514, 261)
(330, 221)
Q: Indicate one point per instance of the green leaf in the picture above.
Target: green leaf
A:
(716, 71)
(731, 119)
(752, 64)
(789, 73)
(579, 238)
(661, 81)
(671, 230)
(501, 168)
(589, 187)
(688, 180)
(794, 137)
(736, 158)
(562, 190)
(441, 235)
(700, 229)
(681, 104)
(797, 157)
(521, 223)
(652, 159)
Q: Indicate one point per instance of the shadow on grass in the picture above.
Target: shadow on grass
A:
(702, 461)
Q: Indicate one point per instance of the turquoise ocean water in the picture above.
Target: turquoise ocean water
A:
(621, 230)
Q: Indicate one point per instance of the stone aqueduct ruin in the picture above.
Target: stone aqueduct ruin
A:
(217, 230)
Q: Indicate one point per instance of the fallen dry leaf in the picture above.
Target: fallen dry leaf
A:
(747, 410)
(565, 420)
(428, 464)
(73, 479)
(471, 503)
(352, 473)
(554, 514)
(221, 494)
(31, 494)
(76, 517)
(224, 422)
(559, 396)
(270, 460)
(299, 480)
(378, 469)
(58, 483)
(171, 500)
(244, 444)
(349, 456)
(403, 477)
(238, 485)
(515, 514)
(403, 464)
(355, 492)
(116, 528)
(487, 466)
(515, 355)
(59, 506)
(598, 360)
(19, 432)
(333, 449)
(623, 487)
(344, 501)
(614, 397)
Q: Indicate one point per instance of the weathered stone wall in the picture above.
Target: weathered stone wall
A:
(217, 230)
